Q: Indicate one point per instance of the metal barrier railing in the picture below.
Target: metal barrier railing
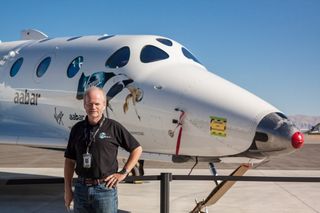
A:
(166, 178)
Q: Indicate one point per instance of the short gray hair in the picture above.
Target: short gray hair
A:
(94, 88)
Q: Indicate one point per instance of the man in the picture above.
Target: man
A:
(92, 153)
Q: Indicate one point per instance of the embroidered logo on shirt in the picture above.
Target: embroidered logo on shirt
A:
(103, 135)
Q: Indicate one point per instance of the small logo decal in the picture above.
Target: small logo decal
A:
(26, 97)
(76, 117)
(103, 135)
(218, 126)
(58, 117)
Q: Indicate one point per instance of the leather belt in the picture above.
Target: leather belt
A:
(90, 181)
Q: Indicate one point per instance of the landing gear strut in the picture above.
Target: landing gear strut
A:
(213, 171)
(220, 189)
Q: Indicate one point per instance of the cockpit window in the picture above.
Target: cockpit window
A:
(165, 41)
(119, 59)
(75, 66)
(16, 67)
(43, 66)
(189, 55)
(151, 53)
(281, 115)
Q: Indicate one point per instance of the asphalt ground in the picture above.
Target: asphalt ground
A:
(243, 197)
(246, 197)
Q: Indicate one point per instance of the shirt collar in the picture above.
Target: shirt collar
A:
(101, 120)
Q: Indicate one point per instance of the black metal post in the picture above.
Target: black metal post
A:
(165, 179)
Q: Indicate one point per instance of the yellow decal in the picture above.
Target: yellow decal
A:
(218, 126)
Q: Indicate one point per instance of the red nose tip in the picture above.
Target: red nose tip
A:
(297, 140)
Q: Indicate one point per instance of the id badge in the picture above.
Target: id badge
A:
(87, 160)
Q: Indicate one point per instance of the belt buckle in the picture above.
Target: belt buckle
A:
(88, 182)
(92, 182)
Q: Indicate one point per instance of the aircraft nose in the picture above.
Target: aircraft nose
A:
(276, 135)
(297, 140)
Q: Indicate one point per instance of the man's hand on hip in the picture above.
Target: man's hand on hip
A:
(114, 179)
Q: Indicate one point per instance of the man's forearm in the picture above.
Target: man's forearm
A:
(133, 158)
(68, 173)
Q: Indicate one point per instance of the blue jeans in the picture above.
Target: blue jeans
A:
(98, 198)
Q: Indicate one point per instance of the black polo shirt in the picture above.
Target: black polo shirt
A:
(104, 148)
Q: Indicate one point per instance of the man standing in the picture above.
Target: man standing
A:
(92, 153)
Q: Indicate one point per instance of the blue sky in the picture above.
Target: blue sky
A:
(269, 47)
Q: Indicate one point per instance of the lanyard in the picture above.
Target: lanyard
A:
(92, 136)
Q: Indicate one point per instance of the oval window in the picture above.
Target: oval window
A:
(105, 37)
(151, 53)
(16, 67)
(165, 41)
(75, 66)
(74, 38)
(119, 59)
(44, 40)
(43, 66)
(189, 55)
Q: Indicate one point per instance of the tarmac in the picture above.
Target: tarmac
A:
(246, 197)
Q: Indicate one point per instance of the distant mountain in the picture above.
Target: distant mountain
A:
(304, 121)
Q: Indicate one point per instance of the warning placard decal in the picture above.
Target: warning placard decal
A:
(218, 126)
